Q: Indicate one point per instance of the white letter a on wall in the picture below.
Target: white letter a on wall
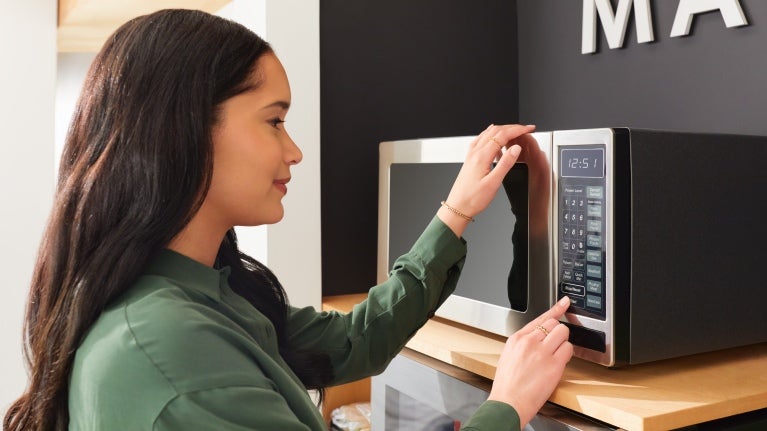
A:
(731, 12)
(614, 23)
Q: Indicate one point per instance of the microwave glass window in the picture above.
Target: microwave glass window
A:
(583, 163)
(496, 266)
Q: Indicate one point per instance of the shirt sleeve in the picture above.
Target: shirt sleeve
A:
(493, 415)
(362, 342)
(238, 408)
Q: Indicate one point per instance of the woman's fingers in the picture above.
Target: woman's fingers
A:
(555, 312)
(506, 161)
(495, 138)
(557, 336)
(564, 351)
(507, 137)
(504, 134)
(551, 333)
(482, 136)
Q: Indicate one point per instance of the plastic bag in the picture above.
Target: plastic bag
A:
(351, 417)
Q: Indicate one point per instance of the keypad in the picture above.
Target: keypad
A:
(581, 224)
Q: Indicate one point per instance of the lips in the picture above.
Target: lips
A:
(281, 184)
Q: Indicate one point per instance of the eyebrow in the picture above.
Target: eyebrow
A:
(279, 104)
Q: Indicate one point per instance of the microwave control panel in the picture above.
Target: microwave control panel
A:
(581, 223)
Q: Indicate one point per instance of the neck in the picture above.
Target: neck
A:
(199, 240)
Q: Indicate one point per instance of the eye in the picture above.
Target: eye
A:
(275, 122)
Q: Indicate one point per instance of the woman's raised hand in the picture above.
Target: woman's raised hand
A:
(478, 181)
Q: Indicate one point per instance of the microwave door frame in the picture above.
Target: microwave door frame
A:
(468, 311)
(506, 321)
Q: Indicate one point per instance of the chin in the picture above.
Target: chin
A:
(274, 217)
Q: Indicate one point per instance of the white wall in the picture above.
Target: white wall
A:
(293, 29)
(70, 74)
(27, 88)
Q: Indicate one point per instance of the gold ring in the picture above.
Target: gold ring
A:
(542, 329)
(500, 145)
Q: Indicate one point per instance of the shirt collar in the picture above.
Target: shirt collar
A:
(189, 273)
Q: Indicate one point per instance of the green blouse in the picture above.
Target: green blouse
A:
(181, 351)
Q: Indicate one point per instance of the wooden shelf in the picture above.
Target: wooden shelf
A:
(649, 397)
(342, 303)
(84, 25)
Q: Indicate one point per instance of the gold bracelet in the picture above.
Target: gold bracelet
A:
(455, 211)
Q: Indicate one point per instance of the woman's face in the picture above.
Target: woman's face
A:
(252, 152)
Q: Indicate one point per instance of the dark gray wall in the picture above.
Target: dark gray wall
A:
(714, 80)
(406, 69)
(400, 69)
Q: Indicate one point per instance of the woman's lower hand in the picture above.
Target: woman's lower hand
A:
(532, 363)
(478, 181)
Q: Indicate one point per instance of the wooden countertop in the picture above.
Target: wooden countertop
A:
(648, 397)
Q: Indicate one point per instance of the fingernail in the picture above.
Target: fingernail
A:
(531, 125)
(515, 150)
(565, 301)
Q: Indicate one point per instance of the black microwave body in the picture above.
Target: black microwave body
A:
(659, 240)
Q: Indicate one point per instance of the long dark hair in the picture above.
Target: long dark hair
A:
(136, 167)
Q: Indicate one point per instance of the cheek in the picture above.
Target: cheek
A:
(246, 162)
(243, 176)
(228, 171)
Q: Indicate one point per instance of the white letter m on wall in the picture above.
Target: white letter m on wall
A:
(614, 23)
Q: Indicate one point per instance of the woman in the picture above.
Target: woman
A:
(143, 314)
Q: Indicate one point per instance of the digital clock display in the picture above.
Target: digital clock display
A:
(583, 162)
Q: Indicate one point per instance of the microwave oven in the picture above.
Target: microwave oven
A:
(657, 237)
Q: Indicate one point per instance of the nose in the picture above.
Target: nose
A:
(293, 154)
